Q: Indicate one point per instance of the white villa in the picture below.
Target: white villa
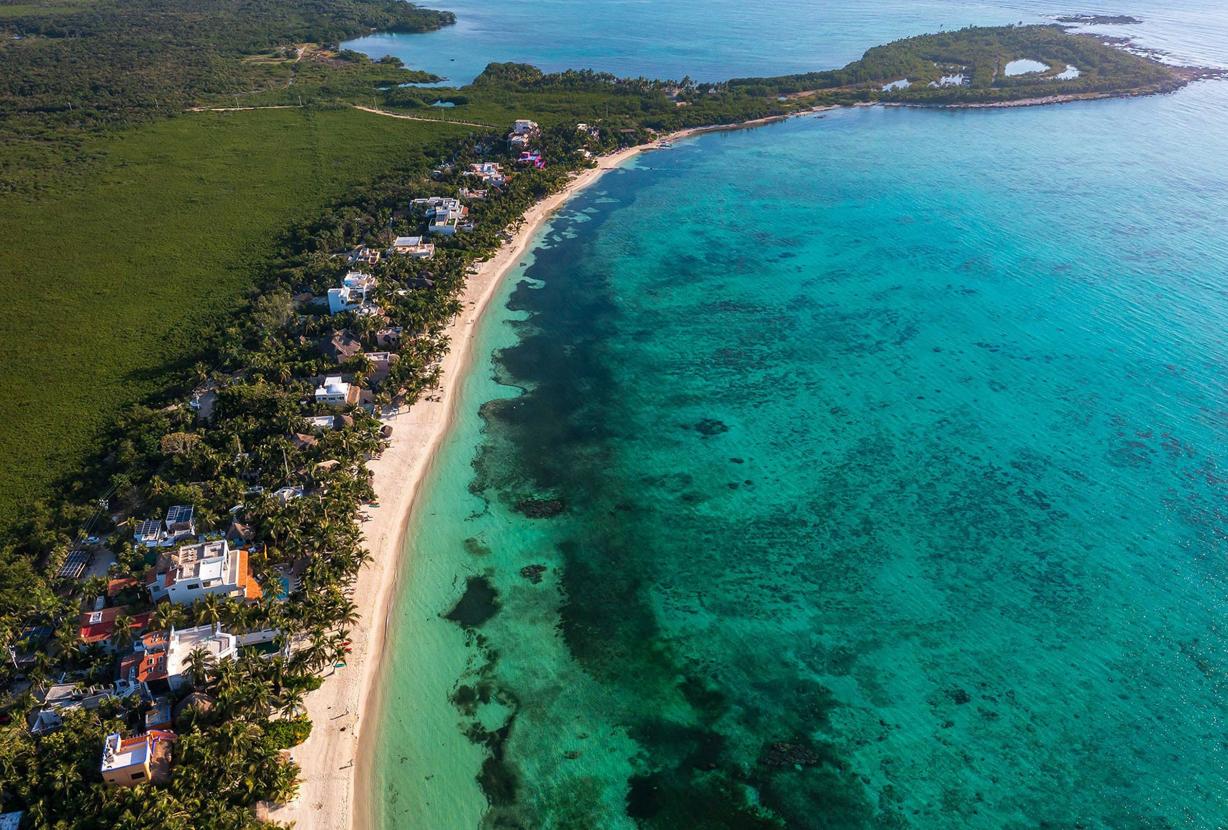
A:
(413, 246)
(352, 295)
(365, 256)
(160, 660)
(490, 172)
(523, 131)
(195, 571)
(336, 392)
(322, 423)
(288, 494)
(179, 646)
(443, 213)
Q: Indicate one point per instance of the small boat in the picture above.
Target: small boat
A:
(665, 144)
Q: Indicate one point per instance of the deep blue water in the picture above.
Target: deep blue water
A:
(890, 452)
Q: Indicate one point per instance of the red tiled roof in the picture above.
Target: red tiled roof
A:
(142, 668)
(117, 585)
(98, 626)
(251, 588)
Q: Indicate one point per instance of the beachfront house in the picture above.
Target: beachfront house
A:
(322, 423)
(389, 336)
(533, 158)
(490, 172)
(381, 364)
(195, 571)
(444, 214)
(127, 762)
(412, 246)
(523, 132)
(160, 661)
(334, 391)
(352, 295)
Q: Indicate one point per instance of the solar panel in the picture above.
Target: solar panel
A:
(179, 514)
(76, 563)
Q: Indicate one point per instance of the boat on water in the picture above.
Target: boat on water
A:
(665, 145)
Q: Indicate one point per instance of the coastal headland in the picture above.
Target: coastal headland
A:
(312, 411)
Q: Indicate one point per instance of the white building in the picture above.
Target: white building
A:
(127, 762)
(322, 423)
(444, 213)
(160, 661)
(352, 295)
(412, 246)
(195, 571)
(490, 172)
(179, 647)
(178, 525)
(523, 131)
(288, 494)
(336, 392)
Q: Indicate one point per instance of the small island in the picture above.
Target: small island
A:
(977, 67)
(1099, 19)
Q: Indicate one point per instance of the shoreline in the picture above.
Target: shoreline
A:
(329, 798)
(329, 795)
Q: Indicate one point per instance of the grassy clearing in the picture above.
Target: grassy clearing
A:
(110, 277)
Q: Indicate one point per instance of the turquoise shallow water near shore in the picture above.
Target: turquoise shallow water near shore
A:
(885, 458)
(890, 446)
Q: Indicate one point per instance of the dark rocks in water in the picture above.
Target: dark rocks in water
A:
(785, 754)
(709, 427)
(533, 573)
(498, 782)
(960, 697)
(1100, 19)
(643, 797)
(540, 508)
(478, 604)
(736, 460)
(476, 547)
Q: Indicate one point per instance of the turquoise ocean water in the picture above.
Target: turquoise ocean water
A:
(890, 453)
(717, 39)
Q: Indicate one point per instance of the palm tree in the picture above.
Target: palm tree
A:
(168, 615)
(209, 609)
(122, 635)
(200, 664)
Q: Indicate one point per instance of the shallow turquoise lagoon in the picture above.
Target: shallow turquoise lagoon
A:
(884, 458)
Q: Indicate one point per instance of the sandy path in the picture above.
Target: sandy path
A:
(388, 114)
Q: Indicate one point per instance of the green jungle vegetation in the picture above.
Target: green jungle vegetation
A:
(981, 54)
(116, 278)
(151, 250)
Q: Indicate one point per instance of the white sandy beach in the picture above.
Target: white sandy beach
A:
(330, 797)
(349, 697)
